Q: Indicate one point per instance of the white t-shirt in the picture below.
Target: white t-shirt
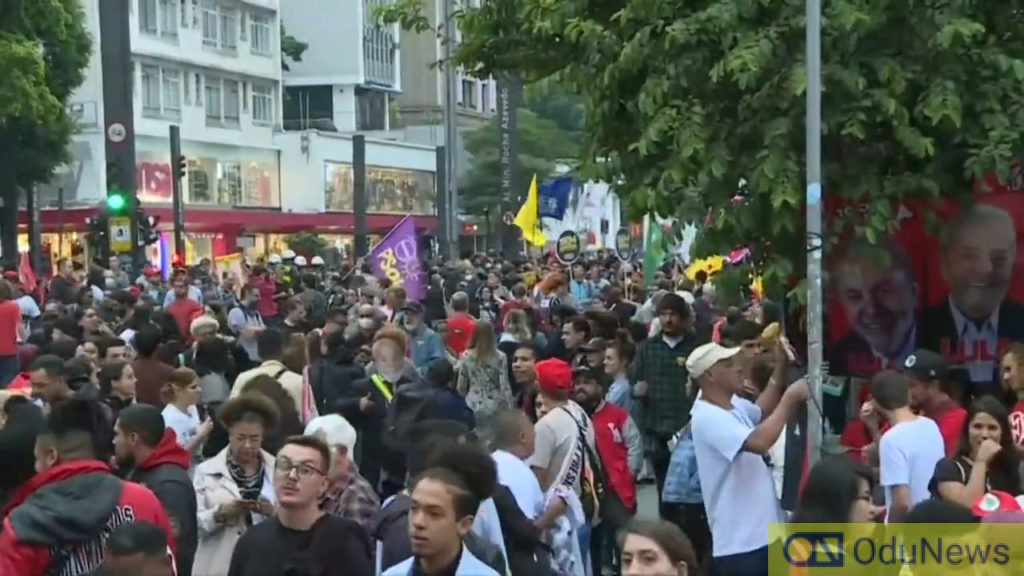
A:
(739, 494)
(184, 424)
(907, 455)
(521, 482)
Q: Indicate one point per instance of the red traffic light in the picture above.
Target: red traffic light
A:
(177, 260)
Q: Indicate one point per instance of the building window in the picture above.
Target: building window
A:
(229, 184)
(223, 100)
(232, 101)
(260, 31)
(219, 26)
(161, 92)
(262, 103)
(159, 17)
(213, 93)
(400, 191)
(485, 97)
(468, 93)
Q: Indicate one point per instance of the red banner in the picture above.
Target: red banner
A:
(953, 292)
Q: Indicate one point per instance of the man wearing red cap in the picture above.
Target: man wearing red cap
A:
(560, 457)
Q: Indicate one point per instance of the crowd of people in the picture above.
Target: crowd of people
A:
(308, 421)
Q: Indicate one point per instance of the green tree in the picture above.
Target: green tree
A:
(291, 49)
(45, 47)
(306, 244)
(683, 100)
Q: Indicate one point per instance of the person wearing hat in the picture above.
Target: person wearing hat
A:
(621, 448)
(592, 353)
(425, 344)
(558, 458)
(659, 374)
(561, 421)
(732, 438)
(931, 395)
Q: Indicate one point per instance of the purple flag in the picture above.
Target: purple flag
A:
(397, 258)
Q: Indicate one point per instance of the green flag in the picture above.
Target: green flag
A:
(654, 252)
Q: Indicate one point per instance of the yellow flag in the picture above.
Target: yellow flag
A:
(528, 218)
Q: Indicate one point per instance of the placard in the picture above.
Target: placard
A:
(623, 244)
(567, 247)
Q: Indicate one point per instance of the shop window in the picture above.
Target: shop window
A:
(397, 191)
(338, 192)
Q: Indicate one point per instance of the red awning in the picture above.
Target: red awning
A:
(244, 220)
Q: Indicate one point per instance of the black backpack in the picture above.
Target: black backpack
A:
(412, 403)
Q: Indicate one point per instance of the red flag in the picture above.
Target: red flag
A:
(26, 275)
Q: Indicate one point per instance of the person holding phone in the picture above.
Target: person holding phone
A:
(234, 489)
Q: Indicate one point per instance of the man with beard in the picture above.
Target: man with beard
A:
(59, 522)
(621, 449)
(876, 287)
(977, 321)
(148, 453)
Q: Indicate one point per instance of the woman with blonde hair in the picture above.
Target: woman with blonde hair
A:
(181, 395)
(482, 378)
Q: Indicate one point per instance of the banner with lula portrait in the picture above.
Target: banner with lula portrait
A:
(396, 258)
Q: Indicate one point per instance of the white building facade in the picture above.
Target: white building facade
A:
(214, 68)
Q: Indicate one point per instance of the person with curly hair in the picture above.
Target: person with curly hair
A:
(234, 489)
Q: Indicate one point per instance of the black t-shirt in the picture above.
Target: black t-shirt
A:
(332, 547)
(958, 469)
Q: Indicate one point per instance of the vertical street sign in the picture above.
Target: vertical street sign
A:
(509, 97)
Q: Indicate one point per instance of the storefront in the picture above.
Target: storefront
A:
(251, 199)
(389, 190)
(216, 176)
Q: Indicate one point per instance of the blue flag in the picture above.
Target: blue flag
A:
(554, 197)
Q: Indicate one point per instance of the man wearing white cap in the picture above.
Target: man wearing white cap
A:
(732, 437)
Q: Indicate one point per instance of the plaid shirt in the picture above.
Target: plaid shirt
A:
(666, 409)
(352, 497)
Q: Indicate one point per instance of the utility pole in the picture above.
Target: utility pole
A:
(451, 131)
(815, 330)
(115, 53)
(180, 168)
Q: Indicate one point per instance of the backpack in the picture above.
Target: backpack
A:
(410, 404)
(682, 483)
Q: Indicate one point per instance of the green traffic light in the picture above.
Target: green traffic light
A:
(116, 202)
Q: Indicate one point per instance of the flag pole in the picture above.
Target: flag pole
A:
(815, 329)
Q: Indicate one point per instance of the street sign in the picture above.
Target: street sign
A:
(120, 234)
(116, 132)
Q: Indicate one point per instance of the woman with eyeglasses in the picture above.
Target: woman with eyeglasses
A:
(234, 489)
(302, 539)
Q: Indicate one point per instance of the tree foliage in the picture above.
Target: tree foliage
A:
(683, 100)
(306, 244)
(291, 49)
(45, 48)
(548, 128)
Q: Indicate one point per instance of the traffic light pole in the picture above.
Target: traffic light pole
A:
(119, 128)
(179, 166)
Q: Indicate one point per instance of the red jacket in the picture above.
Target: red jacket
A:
(612, 428)
(71, 509)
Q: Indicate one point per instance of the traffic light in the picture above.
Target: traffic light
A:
(148, 233)
(182, 167)
(177, 260)
(117, 202)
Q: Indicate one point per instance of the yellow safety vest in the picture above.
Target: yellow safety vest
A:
(382, 387)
